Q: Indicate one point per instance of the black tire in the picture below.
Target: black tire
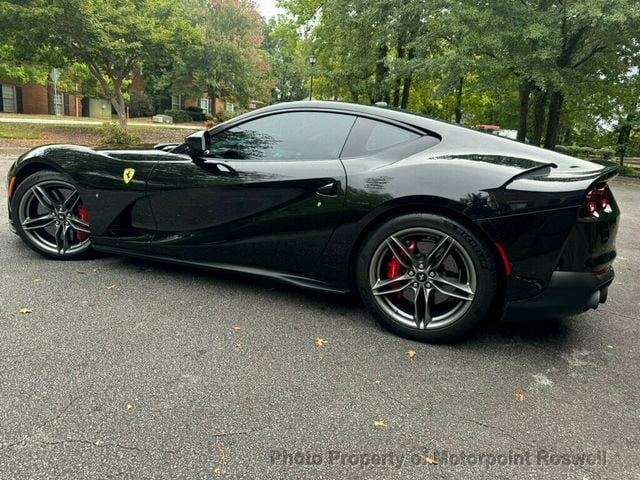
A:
(441, 301)
(57, 230)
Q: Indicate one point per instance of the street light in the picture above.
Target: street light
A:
(312, 60)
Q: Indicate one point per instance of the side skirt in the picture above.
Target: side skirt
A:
(297, 281)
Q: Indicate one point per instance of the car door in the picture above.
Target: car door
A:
(267, 195)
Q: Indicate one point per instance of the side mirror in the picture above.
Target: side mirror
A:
(199, 142)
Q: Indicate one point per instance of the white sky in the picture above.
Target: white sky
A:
(268, 8)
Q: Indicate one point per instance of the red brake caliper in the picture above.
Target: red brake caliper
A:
(394, 268)
(82, 215)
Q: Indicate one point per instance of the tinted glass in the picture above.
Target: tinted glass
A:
(285, 136)
(370, 136)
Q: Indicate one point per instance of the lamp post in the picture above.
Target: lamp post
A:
(312, 60)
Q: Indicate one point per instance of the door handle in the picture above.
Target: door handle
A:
(329, 190)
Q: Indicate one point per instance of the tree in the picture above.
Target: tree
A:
(286, 52)
(548, 46)
(111, 38)
(227, 61)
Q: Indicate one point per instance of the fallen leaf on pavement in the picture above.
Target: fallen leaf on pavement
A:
(519, 394)
(238, 345)
(428, 460)
(321, 342)
(111, 286)
(236, 328)
(411, 354)
(376, 381)
(379, 424)
(25, 311)
(129, 407)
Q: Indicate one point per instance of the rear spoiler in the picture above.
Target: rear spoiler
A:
(592, 177)
(607, 174)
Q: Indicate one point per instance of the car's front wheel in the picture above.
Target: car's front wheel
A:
(50, 217)
(427, 277)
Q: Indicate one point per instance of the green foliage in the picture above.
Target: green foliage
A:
(629, 171)
(225, 115)
(112, 133)
(111, 38)
(288, 61)
(224, 57)
(604, 153)
(179, 116)
(140, 105)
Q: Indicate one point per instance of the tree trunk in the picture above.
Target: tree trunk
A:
(623, 138)
(540, 103)
(117, 100)
(114, 95)
(381, 93)
(398, 80)
(396, 92)
(523, 113)
(406, 88)
(553, 122)
(458, 110)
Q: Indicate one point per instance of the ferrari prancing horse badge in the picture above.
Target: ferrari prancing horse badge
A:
(128, 174)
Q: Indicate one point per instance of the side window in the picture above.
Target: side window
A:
(285, 136)
(371, 136)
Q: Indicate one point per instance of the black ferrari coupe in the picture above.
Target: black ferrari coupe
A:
(437, 227)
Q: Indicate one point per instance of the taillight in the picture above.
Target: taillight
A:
(598, 200)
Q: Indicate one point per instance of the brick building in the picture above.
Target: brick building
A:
(36, 99)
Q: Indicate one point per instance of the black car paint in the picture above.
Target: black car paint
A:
(273, 218)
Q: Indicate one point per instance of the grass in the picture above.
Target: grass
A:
(20, 131)
(28, 135)
(626, 170)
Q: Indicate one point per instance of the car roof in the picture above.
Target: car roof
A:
(358, 109)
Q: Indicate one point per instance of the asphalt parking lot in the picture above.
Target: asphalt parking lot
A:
(129, 369)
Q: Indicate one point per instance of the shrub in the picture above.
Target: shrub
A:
(111, 133)
(606, 152)
(179, 116)
(196, 114)
(224, 115)
(629, 171)
(140, 105)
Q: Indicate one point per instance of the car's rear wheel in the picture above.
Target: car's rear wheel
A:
(427, 277)
(50, 217)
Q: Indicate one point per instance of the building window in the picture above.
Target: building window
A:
(204, 104)
(229, 107)
(176, 102)
(58, 105)
(9, 99)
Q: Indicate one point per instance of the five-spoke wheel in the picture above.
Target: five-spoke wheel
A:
(426, 277)
(49, 215)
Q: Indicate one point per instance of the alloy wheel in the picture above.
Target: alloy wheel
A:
(53, 217)
(422, 278)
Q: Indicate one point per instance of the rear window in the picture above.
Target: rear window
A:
(371, 136)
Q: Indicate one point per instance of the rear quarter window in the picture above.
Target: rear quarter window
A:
(369, 137)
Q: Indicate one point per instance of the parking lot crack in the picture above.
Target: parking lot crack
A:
(229, 434)
(40, 426)
(100, 444)
(520, 442)
(381, 392)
